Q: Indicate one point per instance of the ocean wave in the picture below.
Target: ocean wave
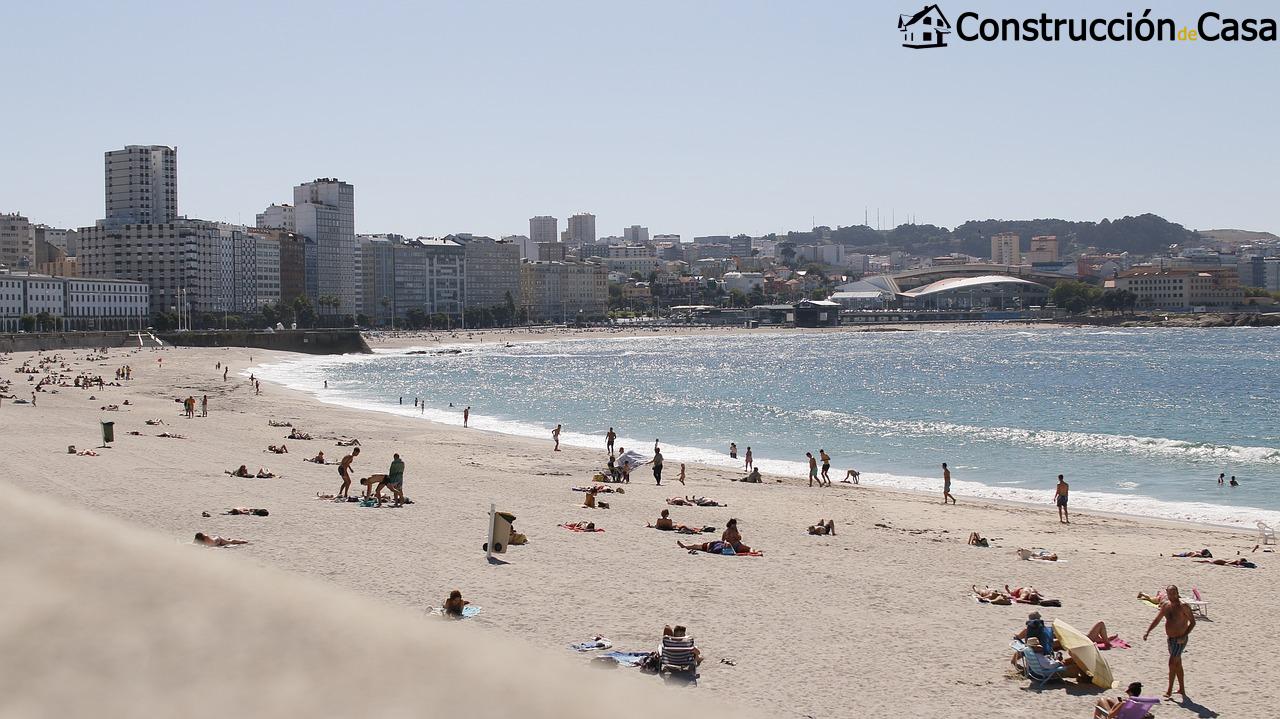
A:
(1206, 452)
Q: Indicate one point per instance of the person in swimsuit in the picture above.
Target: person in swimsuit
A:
(826, 465)
(747, 466)
(851, 477)
(946, 485)
(466, 416)
(1178, 623)
(734, 538)
(454, 604)
(714, 547)
(733, 450)
(813, 469)
(609, 437)
(216, 541)
(344, 471)
(823, 527)
(555, 434)
(1060, 499)
(664, 522)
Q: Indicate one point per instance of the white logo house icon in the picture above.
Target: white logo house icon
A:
(927, 28)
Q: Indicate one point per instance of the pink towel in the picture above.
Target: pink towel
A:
(1114, 643)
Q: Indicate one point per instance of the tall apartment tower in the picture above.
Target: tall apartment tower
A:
(276, 217)
(17, 242)
(582, 228)
(142, 185)
(635, 235)
(1044, 248)
(1005, 249)
(543, 228)
(324, 212)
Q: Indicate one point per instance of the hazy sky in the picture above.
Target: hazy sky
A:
(688, 117)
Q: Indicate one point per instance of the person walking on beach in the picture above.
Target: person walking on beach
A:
(1060, 499)
(826, 466)
(224, 373)
(344, 471)
(1178, 623)
(466, 416)
(204, 405)
(748, 465)
(813, 469)
(555, 434)
(609, 438)
(657, 465)
(946, 485)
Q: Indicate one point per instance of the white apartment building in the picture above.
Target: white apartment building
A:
(1006, 249)
(17, 242)
(81, 304)
(543, 228)
(564, 291)
(276, 217)
(142, 185)
(744, 282)
(324, 212)
(528, 248)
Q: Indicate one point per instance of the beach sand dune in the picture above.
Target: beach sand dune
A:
(876, 620)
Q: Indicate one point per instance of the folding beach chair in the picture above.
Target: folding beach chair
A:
(1266, 535)
(1039, 668)
(1199, 605)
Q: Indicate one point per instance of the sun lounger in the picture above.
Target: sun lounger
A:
(1266, 535)
(678, 662)
(1039, 668)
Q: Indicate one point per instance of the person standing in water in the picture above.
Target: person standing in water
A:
(555, 434)
(1222, 479)
(1060, 499)
(946, 485)
(466, 416)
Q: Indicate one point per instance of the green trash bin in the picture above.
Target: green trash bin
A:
(108, 433)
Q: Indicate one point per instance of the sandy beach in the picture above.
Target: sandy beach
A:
(877, 620)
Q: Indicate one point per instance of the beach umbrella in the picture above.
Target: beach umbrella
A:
(1085, 654)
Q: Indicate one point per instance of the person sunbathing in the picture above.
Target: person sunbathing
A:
(170, 435)
(282, 449)
(1029, 595)
(216, 541)
(247, 510)
(276, 423)
(823, 527)
(348, 443)
(977, 540)
(295, 434)
(264, 473)
(1112, 708)
(582, 526)
(318, 459)
(991, 596)
(454, 604)
(1158, 598)
(243, 471)
(1099, 635)
(1193, 553)
(734, 538)
(664, 522)
(590, 502)
(1040, 554)
(1237, 562)
(713, 547)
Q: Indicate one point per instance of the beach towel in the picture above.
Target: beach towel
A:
(592, 645)
(574, 528)
(626, 659)
(468, 612)
(1113, 643)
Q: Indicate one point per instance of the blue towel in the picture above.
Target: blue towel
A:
(592, 645)
(626, 659)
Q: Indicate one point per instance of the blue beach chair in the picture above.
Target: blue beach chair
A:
(1039, 668)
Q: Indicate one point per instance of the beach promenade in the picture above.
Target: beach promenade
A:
(877, 620)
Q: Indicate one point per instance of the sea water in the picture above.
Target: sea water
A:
(1141, 421)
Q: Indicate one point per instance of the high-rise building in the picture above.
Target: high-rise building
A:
(142, 185)
(430, 275)
(288, 253)
(1044, 248)
(17, 242)
(543, 228)
(635, 235)
(324, 212)
(1005, 249)
(378, 273)
(582, 228)
(277, 217)
(492, 270)
(564, 291)
(181, 261)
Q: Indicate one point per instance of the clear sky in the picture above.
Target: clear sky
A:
(693, 117)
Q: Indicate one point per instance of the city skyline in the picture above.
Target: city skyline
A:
(733, 119)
